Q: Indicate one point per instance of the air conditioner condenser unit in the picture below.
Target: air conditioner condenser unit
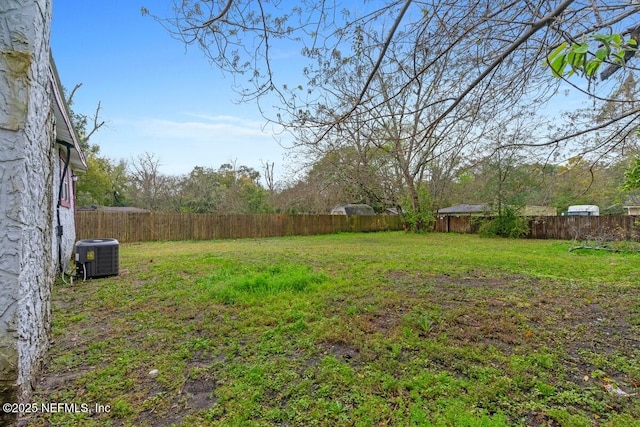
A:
(97, 258)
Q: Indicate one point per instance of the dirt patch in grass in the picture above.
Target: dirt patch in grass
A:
(61, 380)
(342, 350)
(200, 392)
(517, 315)
(540, 420)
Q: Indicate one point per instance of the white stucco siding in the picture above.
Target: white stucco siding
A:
(67, 217)
(37, 270)
(26, 181)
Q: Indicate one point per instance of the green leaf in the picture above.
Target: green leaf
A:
(592, 67)
(583, 65)
(616, 38)
(555, 52)
(580, 48)
(558, 65)
(579, 61)
(602, 53)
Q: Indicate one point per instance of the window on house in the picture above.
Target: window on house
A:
(65, 195)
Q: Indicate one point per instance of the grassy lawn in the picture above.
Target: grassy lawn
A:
(351, 330)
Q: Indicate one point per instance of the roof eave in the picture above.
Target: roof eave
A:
(65, 132)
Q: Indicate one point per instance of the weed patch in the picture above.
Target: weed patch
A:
(245, 287)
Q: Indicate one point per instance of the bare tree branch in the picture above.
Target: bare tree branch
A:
(634, 112)
(73, 92)
(97, 124)
(222, 13)
(383, 52)
(522, 39)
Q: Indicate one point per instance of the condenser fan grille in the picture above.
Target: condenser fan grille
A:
(107, 260)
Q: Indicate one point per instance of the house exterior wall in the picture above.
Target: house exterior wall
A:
(67, 217)
(27, 269)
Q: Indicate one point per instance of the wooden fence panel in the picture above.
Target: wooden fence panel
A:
(558, 227)
(166, 226)
(456, 224)
(585, 228)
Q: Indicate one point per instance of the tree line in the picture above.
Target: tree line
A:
(341, 177)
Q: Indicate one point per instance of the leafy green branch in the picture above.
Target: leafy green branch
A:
(632, 176)
(586, 60)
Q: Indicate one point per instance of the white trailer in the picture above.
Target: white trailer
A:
(584, 210)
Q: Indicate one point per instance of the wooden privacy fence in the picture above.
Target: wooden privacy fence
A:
(585, 227)
(558, 227)
(161, 226)
(158, 226)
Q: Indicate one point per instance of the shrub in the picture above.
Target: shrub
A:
(508, 224)
(418, 220)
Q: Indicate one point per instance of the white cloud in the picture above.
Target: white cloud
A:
(222, 129)
(203, 140)
(224, 118)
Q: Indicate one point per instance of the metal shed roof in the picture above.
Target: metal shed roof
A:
(465, 209)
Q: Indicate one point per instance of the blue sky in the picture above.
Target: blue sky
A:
(157, 96)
